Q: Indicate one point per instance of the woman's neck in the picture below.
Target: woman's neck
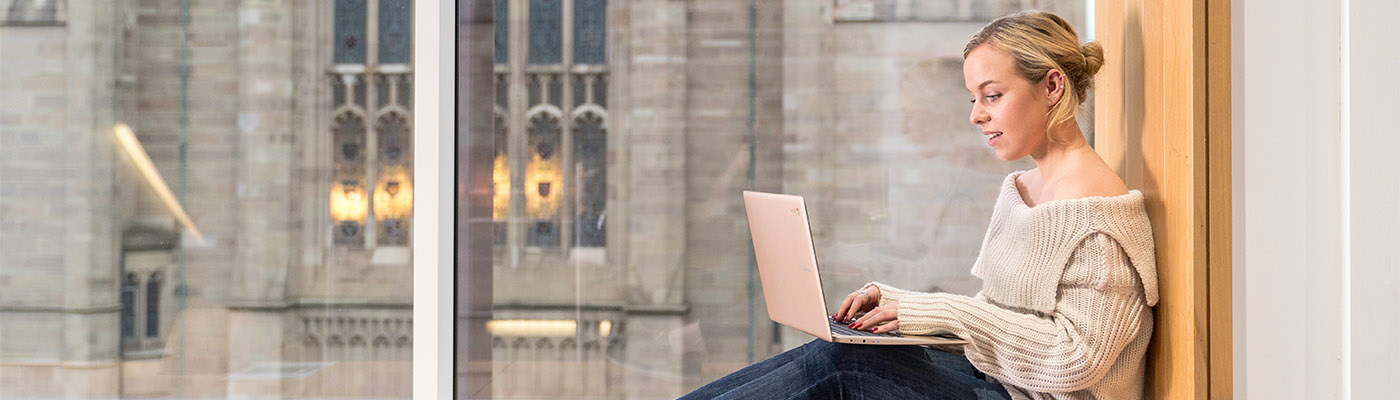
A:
(1054, 159)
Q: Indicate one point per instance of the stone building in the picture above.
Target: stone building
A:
(625, 131)
(275, 128)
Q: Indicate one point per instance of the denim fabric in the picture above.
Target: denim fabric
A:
(825, 370)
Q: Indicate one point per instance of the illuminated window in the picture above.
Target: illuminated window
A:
(371, 192)
(555, 95)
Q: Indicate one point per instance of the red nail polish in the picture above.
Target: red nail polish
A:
(855, 326)
(872, 329)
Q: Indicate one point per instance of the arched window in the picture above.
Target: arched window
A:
(551, 85)
(371, 84)
(590, 163)
(500, 176)
(33, 12)
(130, 284)
(544, 180)
(153, 288)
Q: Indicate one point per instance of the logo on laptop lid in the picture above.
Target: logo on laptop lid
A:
(797, 211)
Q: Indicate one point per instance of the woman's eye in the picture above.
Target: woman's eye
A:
(993, 97)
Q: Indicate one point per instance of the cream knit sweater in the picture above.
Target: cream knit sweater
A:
(1065, 310)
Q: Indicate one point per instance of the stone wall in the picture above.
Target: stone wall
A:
(58, 236)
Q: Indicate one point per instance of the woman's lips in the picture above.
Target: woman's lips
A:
(993, 138)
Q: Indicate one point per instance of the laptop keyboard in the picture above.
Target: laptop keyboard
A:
(841, 329)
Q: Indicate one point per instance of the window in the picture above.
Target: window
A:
(207, 199)
(371, 197)
(130, 284)
(153, 295)
(555, 97)
(625, 133)
(33, 12)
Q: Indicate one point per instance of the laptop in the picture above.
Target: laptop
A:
(787, 269)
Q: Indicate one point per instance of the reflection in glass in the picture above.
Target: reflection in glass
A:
(153, 294)
(545, 31)
(350, 31)
(130, 284)
(543, 175)
(590, 169)
(269, 126)
(627, 130)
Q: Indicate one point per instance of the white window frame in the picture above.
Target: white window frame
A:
(434, 97)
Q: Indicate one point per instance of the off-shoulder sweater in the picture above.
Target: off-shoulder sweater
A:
(1065, 310)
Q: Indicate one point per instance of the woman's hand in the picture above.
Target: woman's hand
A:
(882, 319)
(864, 299)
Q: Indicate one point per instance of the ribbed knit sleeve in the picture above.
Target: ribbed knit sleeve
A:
(1072, 349)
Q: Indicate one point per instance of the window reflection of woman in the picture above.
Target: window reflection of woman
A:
(1067, 263)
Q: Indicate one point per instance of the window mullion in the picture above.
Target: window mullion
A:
(566, 123)
(371, 76)
(516, 152)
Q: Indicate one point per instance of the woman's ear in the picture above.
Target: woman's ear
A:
(1053, 86)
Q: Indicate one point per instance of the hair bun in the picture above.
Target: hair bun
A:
(1093, 57)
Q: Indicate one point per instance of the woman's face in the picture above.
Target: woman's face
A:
(1011, 110)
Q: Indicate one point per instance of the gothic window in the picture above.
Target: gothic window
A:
(350, 30)
(153, 287)
(551, 85)
(500, 180)
(349, 205)
(502, 32)
(371, 192)
(590, 148)
(395, 31)
(590, 31)
(543, 180)
(393, 196)
(545, 33)
(130, 284)
(34, 12)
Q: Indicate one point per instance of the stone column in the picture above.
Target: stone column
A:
(90, 241)
(650, 108)
(58, 302)
(266, 231)
(265, 139)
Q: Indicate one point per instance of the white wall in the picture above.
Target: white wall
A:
(1371, 103)
(1315, 299)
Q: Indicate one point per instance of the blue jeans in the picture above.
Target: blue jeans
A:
(825, 370)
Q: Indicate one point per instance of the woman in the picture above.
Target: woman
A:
(1067, 263)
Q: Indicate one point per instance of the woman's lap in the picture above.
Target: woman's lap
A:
(821, 369)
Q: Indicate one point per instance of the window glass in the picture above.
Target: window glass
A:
(625, 133)
(206, 199)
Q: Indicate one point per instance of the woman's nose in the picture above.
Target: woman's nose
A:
(977, 117)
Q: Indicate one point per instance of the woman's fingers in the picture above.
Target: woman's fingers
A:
(854, 303)
(888, 327)
(841, 313)
(872, 319)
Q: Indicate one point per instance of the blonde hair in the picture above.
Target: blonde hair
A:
(1040, 41)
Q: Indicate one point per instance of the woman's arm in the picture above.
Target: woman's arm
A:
(1064, 352)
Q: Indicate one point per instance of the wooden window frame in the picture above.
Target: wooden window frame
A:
(1163, 122)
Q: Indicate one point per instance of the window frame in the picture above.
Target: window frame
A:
(434, 96)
